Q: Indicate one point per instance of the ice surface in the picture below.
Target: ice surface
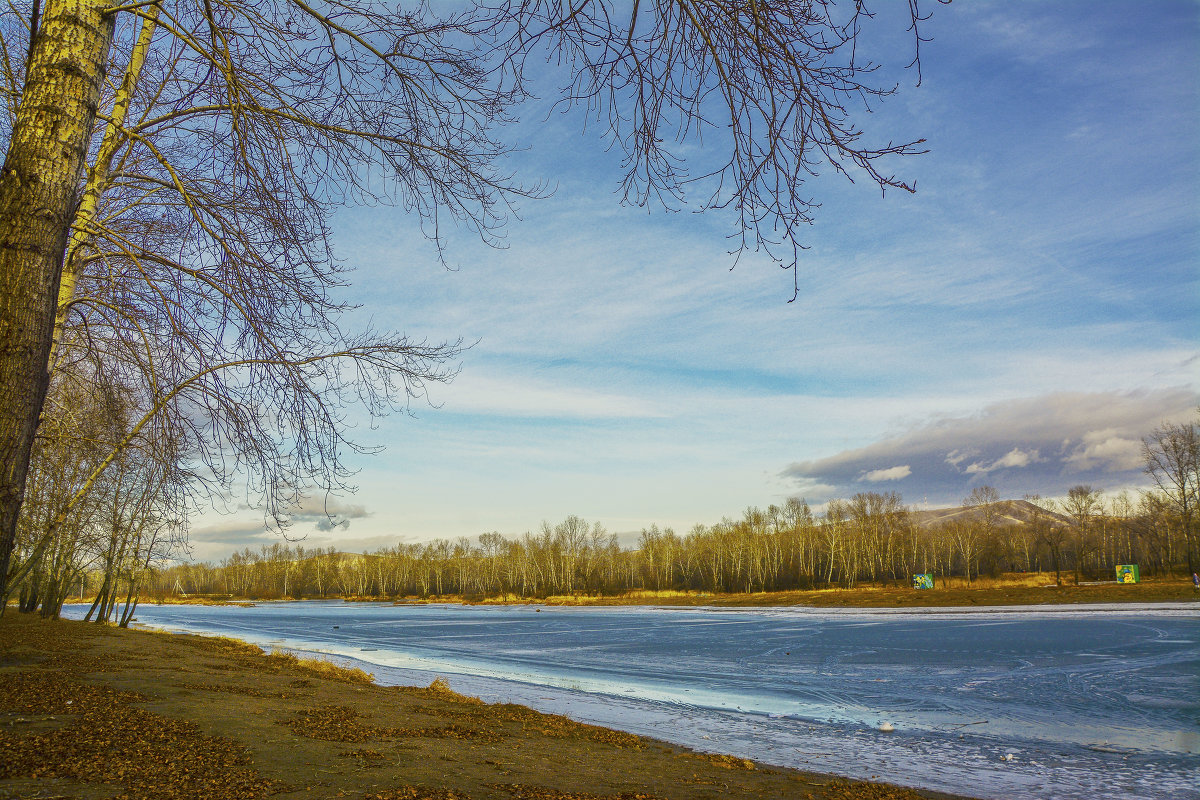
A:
(1089, 702)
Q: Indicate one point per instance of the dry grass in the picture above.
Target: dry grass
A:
(1008, 589)
(320, 668)
(660, 594)
(1009, 580)
(202, 600)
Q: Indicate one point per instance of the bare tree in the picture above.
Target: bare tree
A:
(1049, 530)
(184, 200)
(142, 509)
(1082, 504)
(774, 84)
(878, 518)
(67, 449)
(971, 533)
(1172, 457)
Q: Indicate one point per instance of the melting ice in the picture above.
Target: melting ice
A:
(1053, 702)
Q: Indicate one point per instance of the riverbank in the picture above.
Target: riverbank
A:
(1015, 590)
(90, 711)
(998, 593)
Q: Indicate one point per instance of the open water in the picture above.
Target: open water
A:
(1048, 702)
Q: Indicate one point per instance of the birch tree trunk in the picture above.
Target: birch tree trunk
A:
(39, 187)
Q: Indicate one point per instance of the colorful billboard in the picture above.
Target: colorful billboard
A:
(923, 581)
(1127, 573)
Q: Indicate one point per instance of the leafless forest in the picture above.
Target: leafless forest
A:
(870, 538)
(124, 549)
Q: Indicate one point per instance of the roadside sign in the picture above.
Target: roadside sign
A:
(923, 581)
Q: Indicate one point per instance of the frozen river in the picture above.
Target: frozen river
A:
(1051, 702)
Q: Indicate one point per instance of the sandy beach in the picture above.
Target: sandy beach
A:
(88, 711)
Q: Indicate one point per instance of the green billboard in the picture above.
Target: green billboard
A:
(923, 581)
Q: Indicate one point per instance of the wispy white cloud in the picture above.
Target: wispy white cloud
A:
(527, 396)
(1028, 34)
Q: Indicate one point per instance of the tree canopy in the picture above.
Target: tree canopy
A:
(171, 166)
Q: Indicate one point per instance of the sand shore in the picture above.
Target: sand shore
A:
(89, 711)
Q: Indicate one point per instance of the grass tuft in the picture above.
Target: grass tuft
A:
(320, 668)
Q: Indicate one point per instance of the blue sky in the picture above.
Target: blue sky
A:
(1022, 320)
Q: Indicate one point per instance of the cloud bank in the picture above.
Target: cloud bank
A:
(1042, 444)
(326, 514)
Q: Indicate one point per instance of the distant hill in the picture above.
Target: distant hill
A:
(1011, 512)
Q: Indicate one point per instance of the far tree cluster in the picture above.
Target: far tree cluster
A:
(870, 538)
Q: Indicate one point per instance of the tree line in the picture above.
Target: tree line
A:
(870, 538)
(122, 544)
